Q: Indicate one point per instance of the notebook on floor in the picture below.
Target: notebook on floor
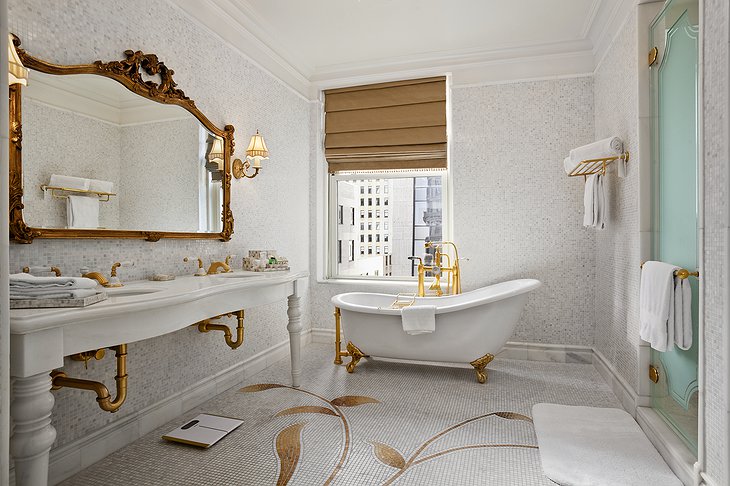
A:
(204, 430)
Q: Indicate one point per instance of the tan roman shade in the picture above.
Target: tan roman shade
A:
(399, 125)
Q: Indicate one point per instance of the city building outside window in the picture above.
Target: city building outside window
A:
(339, 214)
(413, 216)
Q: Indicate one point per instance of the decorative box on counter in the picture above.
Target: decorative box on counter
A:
(265, 261)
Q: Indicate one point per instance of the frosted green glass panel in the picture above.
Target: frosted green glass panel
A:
(675, 209)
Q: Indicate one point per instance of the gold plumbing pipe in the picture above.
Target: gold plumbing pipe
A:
(103, 398)
(206, 326)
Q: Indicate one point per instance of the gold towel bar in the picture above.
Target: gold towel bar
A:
(103, 196)
(596, 166)
(682, 272)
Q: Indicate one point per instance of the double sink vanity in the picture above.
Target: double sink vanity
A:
(41, 338)
(137, 119)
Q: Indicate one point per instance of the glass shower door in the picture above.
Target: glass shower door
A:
(674, 79)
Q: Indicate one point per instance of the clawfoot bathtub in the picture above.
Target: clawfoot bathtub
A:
(470, 327)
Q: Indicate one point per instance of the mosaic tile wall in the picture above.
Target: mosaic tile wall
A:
(229, 89)
(517, 214)
(716, 36)
(616, 298)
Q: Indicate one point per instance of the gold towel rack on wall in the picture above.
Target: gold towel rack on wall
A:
(596, 166)
(103, 196)
(682, 272)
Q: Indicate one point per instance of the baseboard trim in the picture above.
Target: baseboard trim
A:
(679, 459)
(75, 456)
(322, 335)
(626, 394)
(707, 480)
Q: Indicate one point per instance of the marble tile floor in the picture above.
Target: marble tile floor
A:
(388, 423)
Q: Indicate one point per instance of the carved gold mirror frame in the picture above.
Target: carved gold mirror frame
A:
(128, 72)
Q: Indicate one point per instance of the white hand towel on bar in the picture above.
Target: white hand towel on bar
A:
(608, 147)
(101, 186)
(26, 280)
(82, 212)
(69, 182)
(683, 313)
(418, 319)
(594, 202)
(656, 305)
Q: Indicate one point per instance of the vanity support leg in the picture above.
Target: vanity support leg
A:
(33, 434)
(295, 336)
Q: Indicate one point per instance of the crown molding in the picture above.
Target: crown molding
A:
(237, 24)
(226, 22)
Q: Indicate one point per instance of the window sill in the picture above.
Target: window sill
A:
(369, 282)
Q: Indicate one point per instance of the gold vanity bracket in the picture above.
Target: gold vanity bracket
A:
(207, 326)
(86, 356)
(103, 397)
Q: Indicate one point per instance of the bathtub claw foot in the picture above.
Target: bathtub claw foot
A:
(356, 355)
(480, 367)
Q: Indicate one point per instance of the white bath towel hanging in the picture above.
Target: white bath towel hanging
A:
(594, 202)
(683, 313)
(82, 212)
(656, 305)
(418, 319)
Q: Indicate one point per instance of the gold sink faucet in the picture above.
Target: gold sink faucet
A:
(98, 277)
(113, 280)
(215, 266)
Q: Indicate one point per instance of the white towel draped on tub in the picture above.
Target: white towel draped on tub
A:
(665, 304)
(82, 212)
(418, 319)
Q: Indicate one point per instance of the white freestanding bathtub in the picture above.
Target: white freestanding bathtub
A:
(470, 327)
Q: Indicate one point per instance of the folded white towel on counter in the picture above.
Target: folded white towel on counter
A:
(59, 293)
(418, 319)
(656, 305)
(608, 147)
(28, 281)
(682, 313)
(82, 212)
(101, 186)
(69, 182)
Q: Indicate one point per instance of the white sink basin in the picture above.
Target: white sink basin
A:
(238, 275)
(130, 291)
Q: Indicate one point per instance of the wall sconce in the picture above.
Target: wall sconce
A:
(17, 73)
(257, 152)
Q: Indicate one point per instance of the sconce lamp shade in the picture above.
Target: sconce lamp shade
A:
(17, 73)
(216, 153)
(257, 150)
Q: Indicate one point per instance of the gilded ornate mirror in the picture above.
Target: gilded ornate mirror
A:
(114, 150)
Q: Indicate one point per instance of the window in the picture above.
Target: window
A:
(352, 251)
(416, 213)
(352, 216)
(377, 189)
(362, 201)
(385, 189)
(339, 214)
(370, 201)
(362, 189)
(370, 189)
(339, 251)
(377, 201)
(362, 213)
(385, 202)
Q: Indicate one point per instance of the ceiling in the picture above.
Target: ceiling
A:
(324, 43)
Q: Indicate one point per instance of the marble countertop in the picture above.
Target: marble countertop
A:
(146, 295)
